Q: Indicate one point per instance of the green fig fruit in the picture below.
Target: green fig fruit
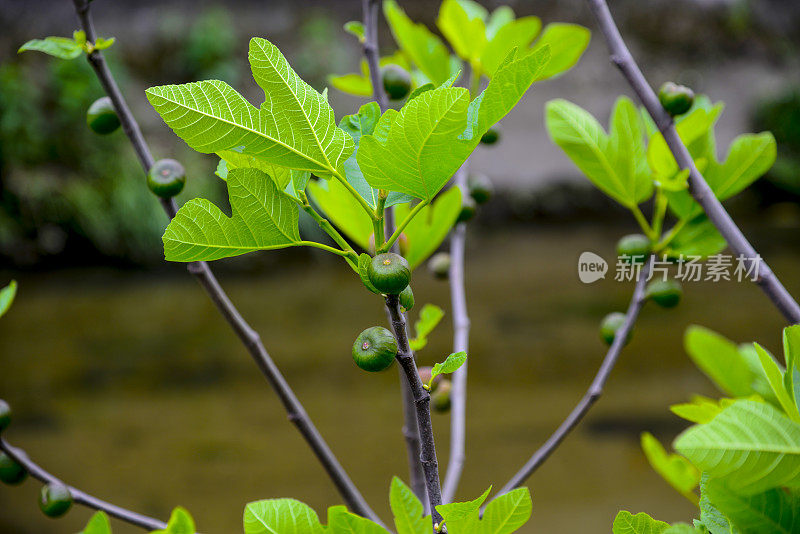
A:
(440, 399)
(407, 298)
(665, 293)
(389, 273)
(676, 99)
(480, 188)
(374, 349)
(55, 499)
(10, 471)
(633, 248)
(491, 136)
(102, 117)
(5, 415)
(396, 81)
(166, 178)
(439, 265)
(468, 209)
(609, 326)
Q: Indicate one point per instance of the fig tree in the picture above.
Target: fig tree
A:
(665, 293)
(55, 499)
(440, 399)
(102, 117)
(633, 248)
(374, 349)
(490, 137)
(439, 265)
(480, 188)
(396, 81)
(407, 298)
(389, 273)
(676, 99)
(468, 209)
(166, 178)
(609, 326)
(10, 471)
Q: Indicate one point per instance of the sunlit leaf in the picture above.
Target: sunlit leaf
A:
(462, 22)
(641, 523)
(294, 127)
(750, 446)
(262, 218)
(615, 163)
(775, 375)
(775, 511)
(98, 524)
(180, 522)
(279, 516)
(720, 359)
(340, 521)
(676, 470)
(60, 47)
(429, 316)
(450, 365)
(7, 295)
(407, 510)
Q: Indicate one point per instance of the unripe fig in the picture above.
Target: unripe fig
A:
(480, 188)
(396, 81)
(676, 99)
(102, 117)
(389, 273)
(665, 293)
(55, 499)
(10, 471)
(374, 349)
(425, 376)
(609, 326)
(166, 178)
(634, 247)
(490, 137)
(5, 415)
(468, 209)
(402, 243)
(407, 298)
(440, 399)
(439, 265)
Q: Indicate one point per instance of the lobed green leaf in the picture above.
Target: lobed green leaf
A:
(279, 516)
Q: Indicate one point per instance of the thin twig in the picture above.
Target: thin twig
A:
(370, 9)
(458, 393)
(595, 389)
(78, 496)
(202, 272)
(371, 52)
(422, 404)
(698, 187)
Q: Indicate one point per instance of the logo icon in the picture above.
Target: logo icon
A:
(591, 267)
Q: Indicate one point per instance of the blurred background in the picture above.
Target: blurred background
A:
(126, 383)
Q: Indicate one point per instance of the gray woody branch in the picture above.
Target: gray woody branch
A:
(370, 10)
(458, 395)
(78, 496)
(202, 272)
(702, 193)
(595, 389)
(422, 404)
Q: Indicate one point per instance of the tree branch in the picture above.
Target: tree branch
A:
(595, 389)
(458, 394)
(422, 404)
(370, 9)
(372, 53)
(202, 272)
(698, 187)
(78, 496)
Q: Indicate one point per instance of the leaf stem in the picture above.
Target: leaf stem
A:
(411, 214)
(642, 220)
(659, 211)
(670, 235)
(378, 225)
(350, 254)
(356, 195)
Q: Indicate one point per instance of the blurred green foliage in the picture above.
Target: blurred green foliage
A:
(781, 116)
(66, 193)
